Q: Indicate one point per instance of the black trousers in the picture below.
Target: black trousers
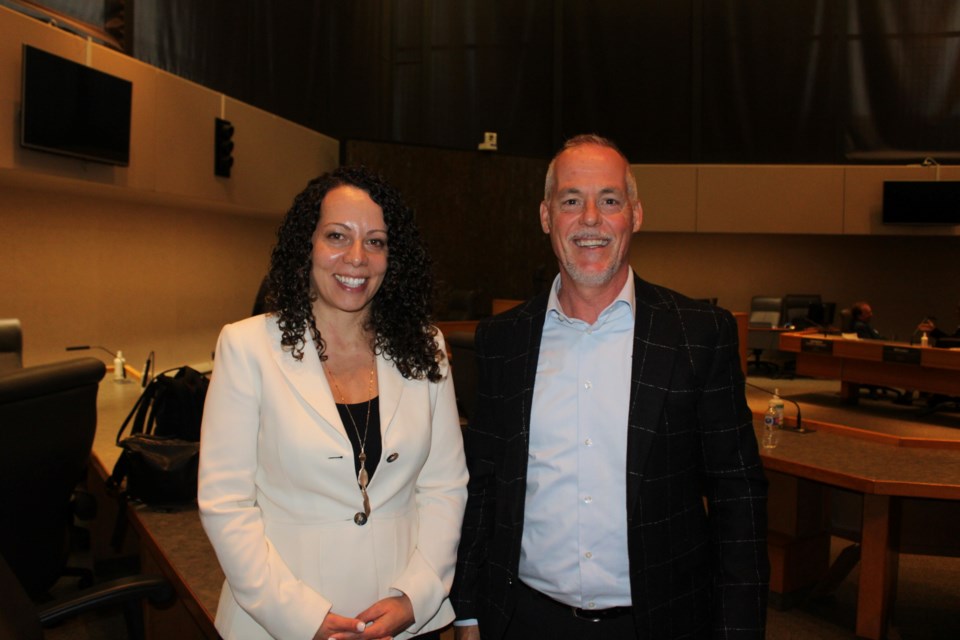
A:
(538, 616)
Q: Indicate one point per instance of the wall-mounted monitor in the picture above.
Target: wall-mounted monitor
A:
(71, 109)
(921, 202)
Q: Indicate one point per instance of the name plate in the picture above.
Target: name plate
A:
(906, 355)
(816, 345)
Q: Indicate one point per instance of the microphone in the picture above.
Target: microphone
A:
(84, 347)
(119, 364)
(147, 366)
(799, 428)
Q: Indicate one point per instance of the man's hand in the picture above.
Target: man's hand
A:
(470, 632)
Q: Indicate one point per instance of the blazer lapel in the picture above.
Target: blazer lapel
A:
(307, 377)
(656, 336)
(390, 384)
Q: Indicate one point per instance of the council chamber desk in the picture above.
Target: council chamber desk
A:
(895, 476)
(874, 362)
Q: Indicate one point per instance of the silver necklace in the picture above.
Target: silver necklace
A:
(362, 477)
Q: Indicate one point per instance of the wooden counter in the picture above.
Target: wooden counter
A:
(874, 362)
(884, 473)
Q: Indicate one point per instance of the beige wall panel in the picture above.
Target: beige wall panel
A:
(184, 123)
(863, 204)
(770, 199)
(902, 277)
(668, 194)
(126, 275)
(273, 158)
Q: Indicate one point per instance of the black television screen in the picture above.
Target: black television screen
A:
(921, 202)
(71, 109)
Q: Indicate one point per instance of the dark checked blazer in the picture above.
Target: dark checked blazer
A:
(698, 568)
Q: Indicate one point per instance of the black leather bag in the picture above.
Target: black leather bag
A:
(160, 456)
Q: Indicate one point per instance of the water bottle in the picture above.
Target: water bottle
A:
(119, 372)
(776, 403)
(771, 428)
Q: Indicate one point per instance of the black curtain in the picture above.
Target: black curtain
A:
(811, 81)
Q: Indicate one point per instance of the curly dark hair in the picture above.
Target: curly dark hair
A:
(399, 313)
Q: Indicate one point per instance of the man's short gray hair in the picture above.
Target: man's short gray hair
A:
(550, 184)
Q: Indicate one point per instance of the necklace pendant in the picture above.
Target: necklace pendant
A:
(362, 478)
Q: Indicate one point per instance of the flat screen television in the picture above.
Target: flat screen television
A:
(921, 202)
(70, 109)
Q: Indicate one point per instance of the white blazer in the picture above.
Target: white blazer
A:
(278, 491)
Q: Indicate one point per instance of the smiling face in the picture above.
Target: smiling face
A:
(590, 216)
(349, 252)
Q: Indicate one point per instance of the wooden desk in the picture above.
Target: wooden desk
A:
(171, 543)
(884, 474)
(875, 362)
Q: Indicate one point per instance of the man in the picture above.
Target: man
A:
(861, 313)
(615, 489)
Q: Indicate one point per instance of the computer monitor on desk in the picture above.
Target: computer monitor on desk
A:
(822, 313)
(948, 343)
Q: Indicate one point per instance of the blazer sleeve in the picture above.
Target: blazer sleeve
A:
(261, 581)
(441, 494)
(736, 490)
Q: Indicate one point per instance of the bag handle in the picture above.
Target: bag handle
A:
(141, 407)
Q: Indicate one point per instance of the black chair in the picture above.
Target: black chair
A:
(11, 344)
(260, 302)
(22, 619)
(764, 314)
(464, 367)
(48, 417)
(796, 308)
(461, 304)
(846, 320)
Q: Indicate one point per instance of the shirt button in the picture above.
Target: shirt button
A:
(588, 555)
(587, 385)
(591, 605)
(588, 442)
(589, 331)
(588, 499)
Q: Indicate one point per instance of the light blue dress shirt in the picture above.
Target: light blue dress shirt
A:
(574, 546)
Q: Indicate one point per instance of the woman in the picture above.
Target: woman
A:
(332, 477)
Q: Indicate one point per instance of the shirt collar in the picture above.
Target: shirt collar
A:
(627, 296)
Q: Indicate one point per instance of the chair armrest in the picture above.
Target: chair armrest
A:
(115, 592)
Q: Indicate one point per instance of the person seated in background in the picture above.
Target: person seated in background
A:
(861, 313)
(934, 333)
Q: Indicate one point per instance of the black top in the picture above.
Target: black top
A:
(374, 441)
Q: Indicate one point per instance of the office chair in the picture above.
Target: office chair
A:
(764, 314)
(461, 305)
(22, 619)
(846, 320)
(260, 301)
(48, 417)
(11, 344)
